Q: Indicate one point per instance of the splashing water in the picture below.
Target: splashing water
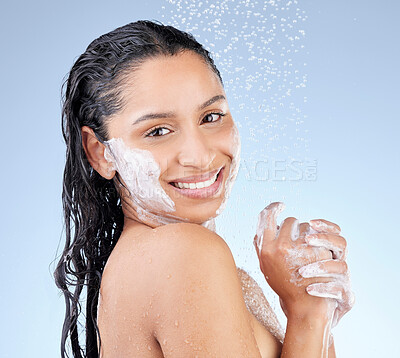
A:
(258, 46)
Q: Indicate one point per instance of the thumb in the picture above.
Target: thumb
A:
(266, 227)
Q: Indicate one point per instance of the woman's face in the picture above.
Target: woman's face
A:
(176, 118)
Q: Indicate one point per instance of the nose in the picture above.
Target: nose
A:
(196, 151)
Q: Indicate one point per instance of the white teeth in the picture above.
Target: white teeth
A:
(199, 185)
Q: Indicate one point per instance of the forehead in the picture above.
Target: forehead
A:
(184, 79)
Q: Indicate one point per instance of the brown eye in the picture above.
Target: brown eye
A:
(158, 132)
(212, 117)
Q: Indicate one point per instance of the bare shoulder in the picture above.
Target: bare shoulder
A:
(187, 255)
(180, 284)
(189, 289)
(204, 308)
(192, 235)
(144, 264)
(152, 274)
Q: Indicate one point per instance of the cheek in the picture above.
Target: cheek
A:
(140, 171)
(166, 159)
(227, 141)
(232, 146)
(233, 151)
(235, 143)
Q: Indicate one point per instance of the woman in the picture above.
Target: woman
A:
(152, 153)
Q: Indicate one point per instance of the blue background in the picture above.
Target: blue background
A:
(334, 110)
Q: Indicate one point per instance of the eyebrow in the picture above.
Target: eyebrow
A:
(171, 114)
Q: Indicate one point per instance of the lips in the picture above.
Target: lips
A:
(197, 178)
(199, 186)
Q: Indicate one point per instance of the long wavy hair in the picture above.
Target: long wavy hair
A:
(93, 216)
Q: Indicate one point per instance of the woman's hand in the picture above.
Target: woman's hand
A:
(327, 234)
(302, 268)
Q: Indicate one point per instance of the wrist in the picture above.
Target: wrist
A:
(309, 319)
(315, 309)
(307, 336)
(315, 316)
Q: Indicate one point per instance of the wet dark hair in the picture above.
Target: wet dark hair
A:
(92, 206)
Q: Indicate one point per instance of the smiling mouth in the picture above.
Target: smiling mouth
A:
(200, 189)
(196, 185)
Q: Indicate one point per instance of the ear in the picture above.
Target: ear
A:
(94, 150)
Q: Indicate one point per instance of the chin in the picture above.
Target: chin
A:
(198, 205)
(198, 214)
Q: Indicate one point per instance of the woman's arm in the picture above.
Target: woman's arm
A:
(307, 336)
(259, 306)
(282, 252)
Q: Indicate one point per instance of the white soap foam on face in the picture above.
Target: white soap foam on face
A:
(140, 173)
(234, 168)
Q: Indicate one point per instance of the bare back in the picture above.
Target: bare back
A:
(159, 298)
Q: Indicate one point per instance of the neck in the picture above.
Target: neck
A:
(140, 217)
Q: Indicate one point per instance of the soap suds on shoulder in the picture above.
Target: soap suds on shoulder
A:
(258, 305)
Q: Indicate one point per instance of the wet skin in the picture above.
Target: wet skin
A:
(189, 138)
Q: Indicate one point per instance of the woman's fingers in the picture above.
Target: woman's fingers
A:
(324, 268)
(339, 290)
(290, 228)
(322, 225)
(337, 244)
(304, 229)
(331, 289)
(303, 254)
(266, 227)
